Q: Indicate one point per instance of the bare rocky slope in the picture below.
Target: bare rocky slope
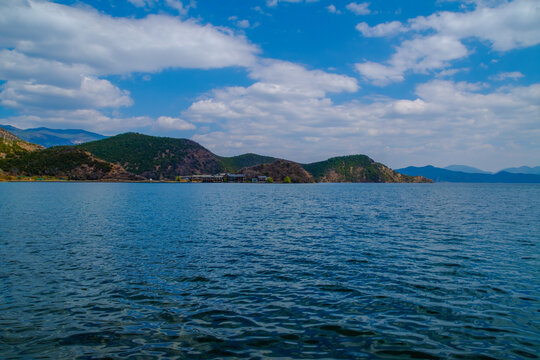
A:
(11, 145)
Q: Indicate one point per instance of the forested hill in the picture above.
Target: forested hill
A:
(134, 156)
(357, 168)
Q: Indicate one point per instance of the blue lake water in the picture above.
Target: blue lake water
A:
(95, 270)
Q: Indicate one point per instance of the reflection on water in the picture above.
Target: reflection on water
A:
(257, 271)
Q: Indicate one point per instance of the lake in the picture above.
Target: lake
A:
(378, 271)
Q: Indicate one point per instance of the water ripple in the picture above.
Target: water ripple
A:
(378, 271)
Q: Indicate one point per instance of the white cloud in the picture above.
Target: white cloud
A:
(141, 3)
(359, 9)
(332, 9)
(170, 123)
(384, 29)
(419, 55)
(91, 93)
(118, 45)
(244, 24)
(179, 6)
(273, 3)
(445, 120)
(514, 75)
(54, 55)
(507, 26)
(379, 74)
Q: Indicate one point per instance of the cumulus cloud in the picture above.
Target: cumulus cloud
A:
(118, 45)
(438, 38)
(419, 55)
(91, 93)
(384, 29)
(359, 8)
(54, 55)
(171, 123)
(445, 117)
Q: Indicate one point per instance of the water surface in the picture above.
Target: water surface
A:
(96, 270)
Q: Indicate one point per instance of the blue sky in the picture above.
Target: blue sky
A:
(405, 82)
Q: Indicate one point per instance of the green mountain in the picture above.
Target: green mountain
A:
(166, 158)
(357, 168)
(235, 163)
(133, 156)
(65, 163)
(53, 137)
(157, 158)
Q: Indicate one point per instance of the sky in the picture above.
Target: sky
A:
(412, 82)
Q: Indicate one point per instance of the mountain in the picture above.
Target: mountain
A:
(133, 156)
(357, 168)
(278, 171)
(53, 137)
(235, 163)
(157, 158)
(166, 158)
(466, 169)
(12, 146)
(66, 163)
(443, 175)
(524, 170)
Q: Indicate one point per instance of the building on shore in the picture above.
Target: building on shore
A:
(217, 178)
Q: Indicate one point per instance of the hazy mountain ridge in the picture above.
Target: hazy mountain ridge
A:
(523, 170)
(53, 137)
(444, 175)
(466, 169)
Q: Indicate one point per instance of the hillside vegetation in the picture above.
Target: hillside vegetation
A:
(278, 171)
(64, 162)
(357, 168)
(134, 156)
(12, 146)
(235, 163)
(155, 157)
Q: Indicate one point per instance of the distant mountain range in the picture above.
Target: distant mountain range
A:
(134, 157)
(53, 137)
(513, 170)
(524, 170)
(466, 169)
(445, 175)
